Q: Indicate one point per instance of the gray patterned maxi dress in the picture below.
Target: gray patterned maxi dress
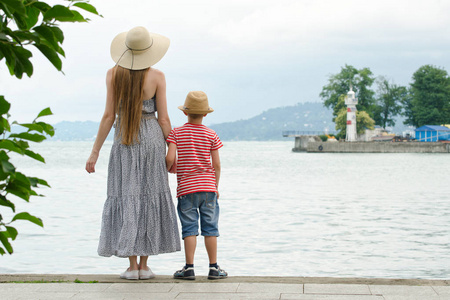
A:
(139, 216)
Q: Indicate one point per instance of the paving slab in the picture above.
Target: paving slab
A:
(140, 288)
(269, 288)
(125, 296)
(214, 287)
(399, 290)
(442, 290)
(338, 289)
(330, 297)
(230, 296)
(40, 296)
(72, 287)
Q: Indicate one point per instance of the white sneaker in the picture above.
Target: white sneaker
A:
(146, 274)
(130, 275)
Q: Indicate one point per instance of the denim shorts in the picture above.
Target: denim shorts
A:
(203, 204)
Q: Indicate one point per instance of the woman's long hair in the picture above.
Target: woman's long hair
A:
(128, 99)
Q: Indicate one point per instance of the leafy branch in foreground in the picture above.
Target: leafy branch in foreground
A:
(25, 23)
(13, 182)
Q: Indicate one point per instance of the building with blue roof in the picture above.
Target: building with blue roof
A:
(432, 133)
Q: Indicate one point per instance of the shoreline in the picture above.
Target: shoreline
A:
(108, 278)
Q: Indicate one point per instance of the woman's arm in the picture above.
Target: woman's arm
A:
(105, 124)
(161, 105)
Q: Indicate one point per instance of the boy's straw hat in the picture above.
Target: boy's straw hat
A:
(196, 103)
(138, 49)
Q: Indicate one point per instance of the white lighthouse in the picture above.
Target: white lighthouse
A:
(350, 102)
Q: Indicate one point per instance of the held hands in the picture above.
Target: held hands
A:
(173, 168)
(90, 163)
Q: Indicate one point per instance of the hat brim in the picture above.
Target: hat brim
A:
(200, 112)
(138, 60)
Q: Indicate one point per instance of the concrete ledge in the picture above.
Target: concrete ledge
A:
(107, 278)
(377, 147)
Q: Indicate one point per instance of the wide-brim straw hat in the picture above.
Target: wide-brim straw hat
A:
(196, 103)
(138, 49)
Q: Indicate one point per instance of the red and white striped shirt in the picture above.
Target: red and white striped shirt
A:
(195, 172)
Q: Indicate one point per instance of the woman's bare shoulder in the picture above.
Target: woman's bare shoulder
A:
(157, 74)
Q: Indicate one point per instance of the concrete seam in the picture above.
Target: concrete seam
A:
(434, 290)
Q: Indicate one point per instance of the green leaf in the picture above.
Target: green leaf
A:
(34, 137)
(7, 167)
(11, 146)
(28, 217)
(34, 155)
(24, 181)
(77, 17)
(47, 34)
(20, 21)
(34, 181)
(6, 202)
(57, 12)
(42, 6)
(5, 242)
(4, 105)
(20, 190)
(12, 232)
(23, 64)
(86, 7)
(6, 10)
(32, 16)
(45, 112)
(15, 6)
(58, 33)
(2, 251)
(31, 126)
(51, 55)
(4, 125)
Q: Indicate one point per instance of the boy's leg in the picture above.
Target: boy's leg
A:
(190, 243)
(209, 219)
(211, 248)
(188, 214)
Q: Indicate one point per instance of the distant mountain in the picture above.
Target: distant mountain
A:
(269, 124)
(77, 131)
(266, 126)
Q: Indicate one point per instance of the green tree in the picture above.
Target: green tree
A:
(388, 102)
(363, 122)
(339, 84)
(429, 100)
(25, 23)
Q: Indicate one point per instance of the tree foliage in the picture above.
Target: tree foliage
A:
(24, 24)
(339, 84)
(388, 102)
(429, 99)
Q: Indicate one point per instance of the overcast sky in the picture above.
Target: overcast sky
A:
(248, 56)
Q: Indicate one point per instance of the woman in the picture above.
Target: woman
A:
(138, 216)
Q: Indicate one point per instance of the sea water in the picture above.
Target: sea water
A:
(281, 214)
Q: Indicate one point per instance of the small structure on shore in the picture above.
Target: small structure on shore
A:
(351, 102)
(432, 133)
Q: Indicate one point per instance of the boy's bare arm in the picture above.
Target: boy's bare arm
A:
(171, 156)
(216, 164)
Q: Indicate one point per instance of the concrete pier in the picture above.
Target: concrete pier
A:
(75, 286)
(378, 147)
(302, 141)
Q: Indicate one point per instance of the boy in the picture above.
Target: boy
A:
(197, 182)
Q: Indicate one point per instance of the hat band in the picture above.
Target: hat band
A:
(187, 108)
(132, 53)
(129, 48)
